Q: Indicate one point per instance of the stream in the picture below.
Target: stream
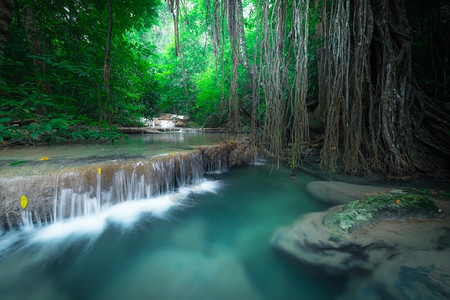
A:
(208, 239)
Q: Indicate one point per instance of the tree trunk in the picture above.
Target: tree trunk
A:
(391, 47)
(367, 75)
(107, 68)
(6, 13)
(241, 33)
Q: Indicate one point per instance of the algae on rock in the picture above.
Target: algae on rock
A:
(373, 209)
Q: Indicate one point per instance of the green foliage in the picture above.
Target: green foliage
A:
(52, 86)
(209, 94)
(198, 90)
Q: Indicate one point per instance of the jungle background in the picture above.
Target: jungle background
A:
(364, 84)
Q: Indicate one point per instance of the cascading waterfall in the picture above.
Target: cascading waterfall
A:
(93, 189)
(81, 194)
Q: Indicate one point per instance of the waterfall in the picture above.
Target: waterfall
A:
(93, 190)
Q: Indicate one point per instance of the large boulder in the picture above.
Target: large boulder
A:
(378, 235)
(363, 233)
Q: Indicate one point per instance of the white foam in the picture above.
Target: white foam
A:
(207, 186)
(125, 213)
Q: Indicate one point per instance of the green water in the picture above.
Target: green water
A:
(27, 160)
(213, 246)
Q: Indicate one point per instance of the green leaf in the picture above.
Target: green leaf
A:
(4, 120)
(35, 135)
(17, 162)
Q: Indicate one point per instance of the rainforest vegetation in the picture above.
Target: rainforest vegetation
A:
(363, 83)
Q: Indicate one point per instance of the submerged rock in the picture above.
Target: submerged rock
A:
(395, 238)
(173, 273)
(411, 275)
(359, 236)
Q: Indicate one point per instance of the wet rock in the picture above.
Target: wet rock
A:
(243, 153)
(180, 123)
(228, 154)
(410, 275)
(362, 237)
(335, 192)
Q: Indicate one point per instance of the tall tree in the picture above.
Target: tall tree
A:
(368, 100)
(107, 66)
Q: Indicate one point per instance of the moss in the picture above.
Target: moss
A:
(373, 209)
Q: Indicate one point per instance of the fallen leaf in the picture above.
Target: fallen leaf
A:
(23, 201)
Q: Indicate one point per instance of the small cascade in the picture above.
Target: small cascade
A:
(128, 182)
(88, 191)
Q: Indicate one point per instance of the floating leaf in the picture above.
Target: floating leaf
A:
(99, 171)
(17, 163)
(23, 201)
(44, 158)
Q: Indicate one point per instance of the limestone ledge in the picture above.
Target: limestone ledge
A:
(158, 173)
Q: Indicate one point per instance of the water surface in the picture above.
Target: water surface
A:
(213, 244)
(71, 155)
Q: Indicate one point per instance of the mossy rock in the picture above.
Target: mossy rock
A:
(357, 214)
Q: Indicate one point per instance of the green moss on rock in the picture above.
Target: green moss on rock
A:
(374, 209)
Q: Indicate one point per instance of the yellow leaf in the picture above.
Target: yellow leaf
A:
(23, 201)
(398, 202)
(44, 158)
(99, 171)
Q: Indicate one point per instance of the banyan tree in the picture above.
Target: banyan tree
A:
(370, 104)
(366, 91)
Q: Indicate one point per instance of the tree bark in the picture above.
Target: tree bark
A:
(106, 66)
(6, 13)
(367, 75)
(242, 44)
